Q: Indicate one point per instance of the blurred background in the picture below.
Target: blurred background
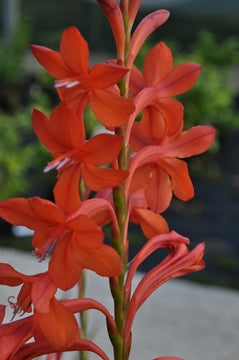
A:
(206, 32)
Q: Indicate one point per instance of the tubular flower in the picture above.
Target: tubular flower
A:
(153, 90)
(75, 239)
(180, 261)
(63, 136)
(78, 83)
(147, 25)
(161, 163)
(114, 15)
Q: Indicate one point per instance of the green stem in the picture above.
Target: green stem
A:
(121, 350)
(83, 355)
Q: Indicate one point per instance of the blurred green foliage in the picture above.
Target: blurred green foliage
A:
(213, 99)
(22, 158)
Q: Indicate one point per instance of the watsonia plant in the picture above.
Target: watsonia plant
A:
(126, 175)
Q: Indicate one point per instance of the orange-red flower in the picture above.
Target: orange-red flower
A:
(52, 320)
(75, 240)
(161, 167)
(154, 88)
(180, 261)
(63, 135)
(78, 83)
(53, 333)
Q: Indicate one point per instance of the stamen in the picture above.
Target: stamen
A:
(66, 84)
(17, 309)
(45, 252)
(56, 164)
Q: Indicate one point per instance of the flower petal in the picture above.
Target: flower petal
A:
(143, 30)
(159, 190)
(66, 190)
(191, 142)
(181, 183)
(158, 63)
(33, 213)
(152, 224)
(98, 179)
(59, 325)
(110, 109)
(41, 127)
(51, 61)
(102, 149)
(179, 80)
(106, 75)
(63, 269)
(13, 335)
(104, 261)
(42, 292)
(11, 277)
(74, 51)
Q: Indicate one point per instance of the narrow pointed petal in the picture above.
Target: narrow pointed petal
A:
(98, 179)
(51, 61)
(191, 142)
(102, 149)
(159, 190)
(63, 269)
(11, 277)
(42, 292)
(32, 212)
(181, 79)
(104, 261)
(66, 190)
(181, 183)
(67, 128)
(85, 232)
(74, 50)
(151, 223)
(59, 325)
(107, 75)
(161, 58)
(40, 124)
(110, 109)
(143, 30)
